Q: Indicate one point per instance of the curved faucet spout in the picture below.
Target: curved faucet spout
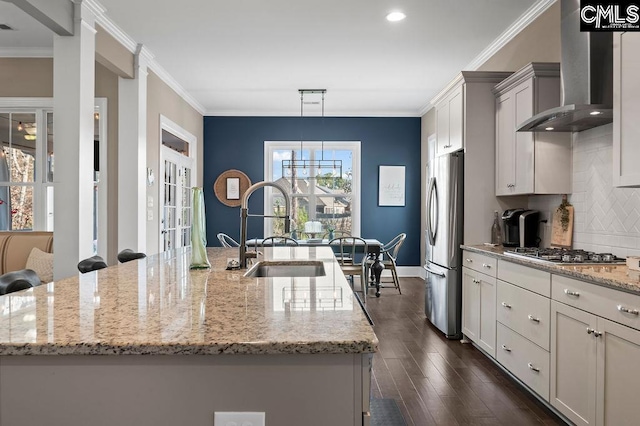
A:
(244, 213)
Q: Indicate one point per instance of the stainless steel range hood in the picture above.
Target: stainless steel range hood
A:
(586, 72)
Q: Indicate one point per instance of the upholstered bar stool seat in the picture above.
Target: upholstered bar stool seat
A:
(18, 280)
(91, 264)
(127, 255)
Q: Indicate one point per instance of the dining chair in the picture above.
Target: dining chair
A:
(279, 241)
(336, 234)
(227, 241)
(351, 254)
(389, 254)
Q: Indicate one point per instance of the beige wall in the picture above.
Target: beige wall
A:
(26, 77)
(114, 56)
(107, 87)
(162, 100)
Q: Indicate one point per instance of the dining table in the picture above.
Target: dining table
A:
(374, 248)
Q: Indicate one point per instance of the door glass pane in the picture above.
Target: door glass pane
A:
(16, 208)
(49, 121)
(19, 146)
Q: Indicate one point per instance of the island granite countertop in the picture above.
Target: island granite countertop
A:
(617, 276)
(158, 306)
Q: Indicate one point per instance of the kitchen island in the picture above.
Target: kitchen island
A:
(150, 342)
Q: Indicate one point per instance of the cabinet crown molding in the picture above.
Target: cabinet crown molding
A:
(533, 69)
(471, 77)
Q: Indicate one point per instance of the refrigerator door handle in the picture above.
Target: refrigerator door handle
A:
(431, 271)
(433, 193)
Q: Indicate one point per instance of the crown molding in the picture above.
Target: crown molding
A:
(363, 114)
(521, 23)
(132, 46)
(534, 69)
(527, 18)
(26, 52)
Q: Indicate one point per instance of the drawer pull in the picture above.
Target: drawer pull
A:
(627, 310)
(534, 319)
(476, 281)
(571, 293)
(531, 367)
(469, 260)
(486, 265)
(506, 348)
(590, 330)
(506, 305)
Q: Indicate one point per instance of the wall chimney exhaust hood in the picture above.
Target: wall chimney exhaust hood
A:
(586, 73)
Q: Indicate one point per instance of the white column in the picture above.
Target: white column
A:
(73, 98)
(132, 156)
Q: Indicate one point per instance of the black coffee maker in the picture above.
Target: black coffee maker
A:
(521, 228)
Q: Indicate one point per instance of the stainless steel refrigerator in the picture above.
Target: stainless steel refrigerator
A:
(443, 263)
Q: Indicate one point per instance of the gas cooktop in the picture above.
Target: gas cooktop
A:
(559, 255)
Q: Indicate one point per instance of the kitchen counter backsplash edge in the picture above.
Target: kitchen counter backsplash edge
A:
(619, 279)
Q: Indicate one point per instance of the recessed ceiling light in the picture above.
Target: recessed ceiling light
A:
(396, 16)
(595, 112)
(548, 128)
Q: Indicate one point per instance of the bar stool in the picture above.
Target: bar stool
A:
(91, 264)
(127, 255)
(18, 280)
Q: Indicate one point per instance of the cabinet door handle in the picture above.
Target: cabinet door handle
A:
(534, 319)
(506, 348)
(469, 260)
(476, 281)
(597, 333)
(486, 265)
(590, 330)
(628, 311)
(571, 293)
(506, 305)
(447, 146)
(531, 367)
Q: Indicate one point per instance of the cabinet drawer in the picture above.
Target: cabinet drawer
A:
(531, 279)
(479, 262)
(615, 305)
(524, 359)
(524, 312)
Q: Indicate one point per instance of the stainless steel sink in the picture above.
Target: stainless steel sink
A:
(293, 268)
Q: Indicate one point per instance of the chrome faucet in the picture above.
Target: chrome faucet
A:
(244, 213)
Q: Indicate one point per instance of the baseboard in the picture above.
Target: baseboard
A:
(406, 271)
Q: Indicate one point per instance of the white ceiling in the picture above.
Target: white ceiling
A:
(250, 57)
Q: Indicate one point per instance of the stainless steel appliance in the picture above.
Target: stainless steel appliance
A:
(563, 256)
(443, 263)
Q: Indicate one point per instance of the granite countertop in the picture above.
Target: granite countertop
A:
(157, 306)
(617, 276)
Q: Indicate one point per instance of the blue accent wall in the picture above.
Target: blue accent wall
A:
(238, 143)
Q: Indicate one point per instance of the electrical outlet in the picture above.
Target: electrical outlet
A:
(230, 418)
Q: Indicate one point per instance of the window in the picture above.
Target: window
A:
(26, 167)
(323, 195)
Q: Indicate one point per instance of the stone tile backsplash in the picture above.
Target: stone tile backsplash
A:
(607, 219)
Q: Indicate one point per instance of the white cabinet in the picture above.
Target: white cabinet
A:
(530, 162)
(573, 363)
(449, 122)
(479, 309)
(626, 107)
(594, 368)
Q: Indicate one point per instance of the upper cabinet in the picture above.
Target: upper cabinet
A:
(450, 122)
(626, 107)
(530, 162)
(454, 104)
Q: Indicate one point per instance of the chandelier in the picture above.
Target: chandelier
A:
(290, 168)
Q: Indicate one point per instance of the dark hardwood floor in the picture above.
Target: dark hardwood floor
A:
(436, 381)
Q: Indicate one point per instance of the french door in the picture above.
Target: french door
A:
(175, 221)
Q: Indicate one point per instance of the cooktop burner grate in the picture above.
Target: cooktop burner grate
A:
(559, 255)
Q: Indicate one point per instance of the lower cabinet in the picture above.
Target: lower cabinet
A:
(479, 309)
(594, 368)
